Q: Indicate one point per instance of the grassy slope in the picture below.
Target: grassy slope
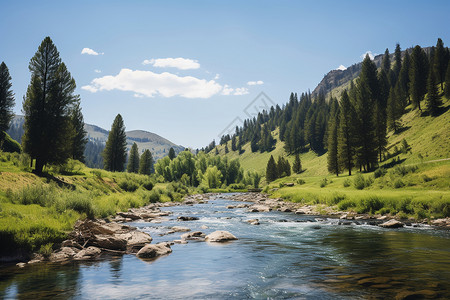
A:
(426, 190)
(36, 210)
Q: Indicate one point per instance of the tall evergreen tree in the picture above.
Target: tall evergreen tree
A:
(402, 85)
(440, 62)
(233, 143)
(271, 170)
(297, 166)
(79, 140)
(447, 81)
(226, 149)
(397, 60)
(133, 160)
(394, 110)
(433, 97)
(346, 133)
(418, 75)
(146, 163)
(332, 159)
(386, 62)
(115, 155)
(172, 153)
(367, 96)
(47, 108)
(6, 100)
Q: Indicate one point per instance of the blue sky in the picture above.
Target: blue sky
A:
(186, 69)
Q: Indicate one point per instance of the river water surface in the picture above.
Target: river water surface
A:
(287, 256)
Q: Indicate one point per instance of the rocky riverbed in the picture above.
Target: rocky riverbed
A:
(90, 239)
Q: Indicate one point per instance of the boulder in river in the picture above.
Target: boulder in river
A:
(154, 250)
(253, 222)
(184, 218)
(220, 236)
(259, 208)
(88, 253)
(180, 229)
(392, 224)
(65, 253)
(195, 235)
(135, 240)
(111, 242)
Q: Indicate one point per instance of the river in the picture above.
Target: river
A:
(287, 256)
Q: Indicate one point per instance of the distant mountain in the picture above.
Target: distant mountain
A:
(338, 78)
(158, 146)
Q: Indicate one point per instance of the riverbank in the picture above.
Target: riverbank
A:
(92, 239)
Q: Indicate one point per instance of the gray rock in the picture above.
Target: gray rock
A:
(195, 235)
(392, 224)
(88, 253)
(154, 251)
(220, 236)
(111, 242)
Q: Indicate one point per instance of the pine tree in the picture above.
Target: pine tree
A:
(332, 159)
(367, 96)
(418, 76)
(297, 166)
(433, 97)
(133, 160)
(47, 106)
(271, 170)
(172, 153)
(233, 143)
(346, 133)
(114, 155)
(146, 163)
(226, 149)
(397, 60)
(386, 62)
(440, 62)
(6, 100)
(79, 140)
(447, 81)
(394, 110)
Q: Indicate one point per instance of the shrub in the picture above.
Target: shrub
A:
(128, 185)
(426, 178)
(346, 204)
(237, 186)
(347, 183)
(380, 172)
(148, 185)
(369, 205)
(403, 170)
(399, 184)
(359, 182)
(300, 181)
(80, 203)
(154, 196)
(33, 195)
(324, 183)
(46, 250)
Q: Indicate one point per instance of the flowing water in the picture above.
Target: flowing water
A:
(287, 256)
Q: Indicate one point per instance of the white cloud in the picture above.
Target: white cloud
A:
(227, 90)
(371, 55)
(259, 82)
(341, 67)
(150, 84)
(240, 91)
(97, 71)
(216, 77)
(179, 63)
(89, 51)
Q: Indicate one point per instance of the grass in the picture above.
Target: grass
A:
(37, 212)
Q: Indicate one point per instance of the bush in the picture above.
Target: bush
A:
(148, 185)
(399, 184)
(346, 204)
(347, 183)
(359, 182)
(154, 196)
(80, 203)
(300, 181)
(33, 195)
(403, 170)
(426, 178)
(46, 250)
(324, 183)
(380, 172)
(128, 185)
(369, 205)
(237, 186)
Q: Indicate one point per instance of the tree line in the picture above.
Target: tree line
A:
(353, 128)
